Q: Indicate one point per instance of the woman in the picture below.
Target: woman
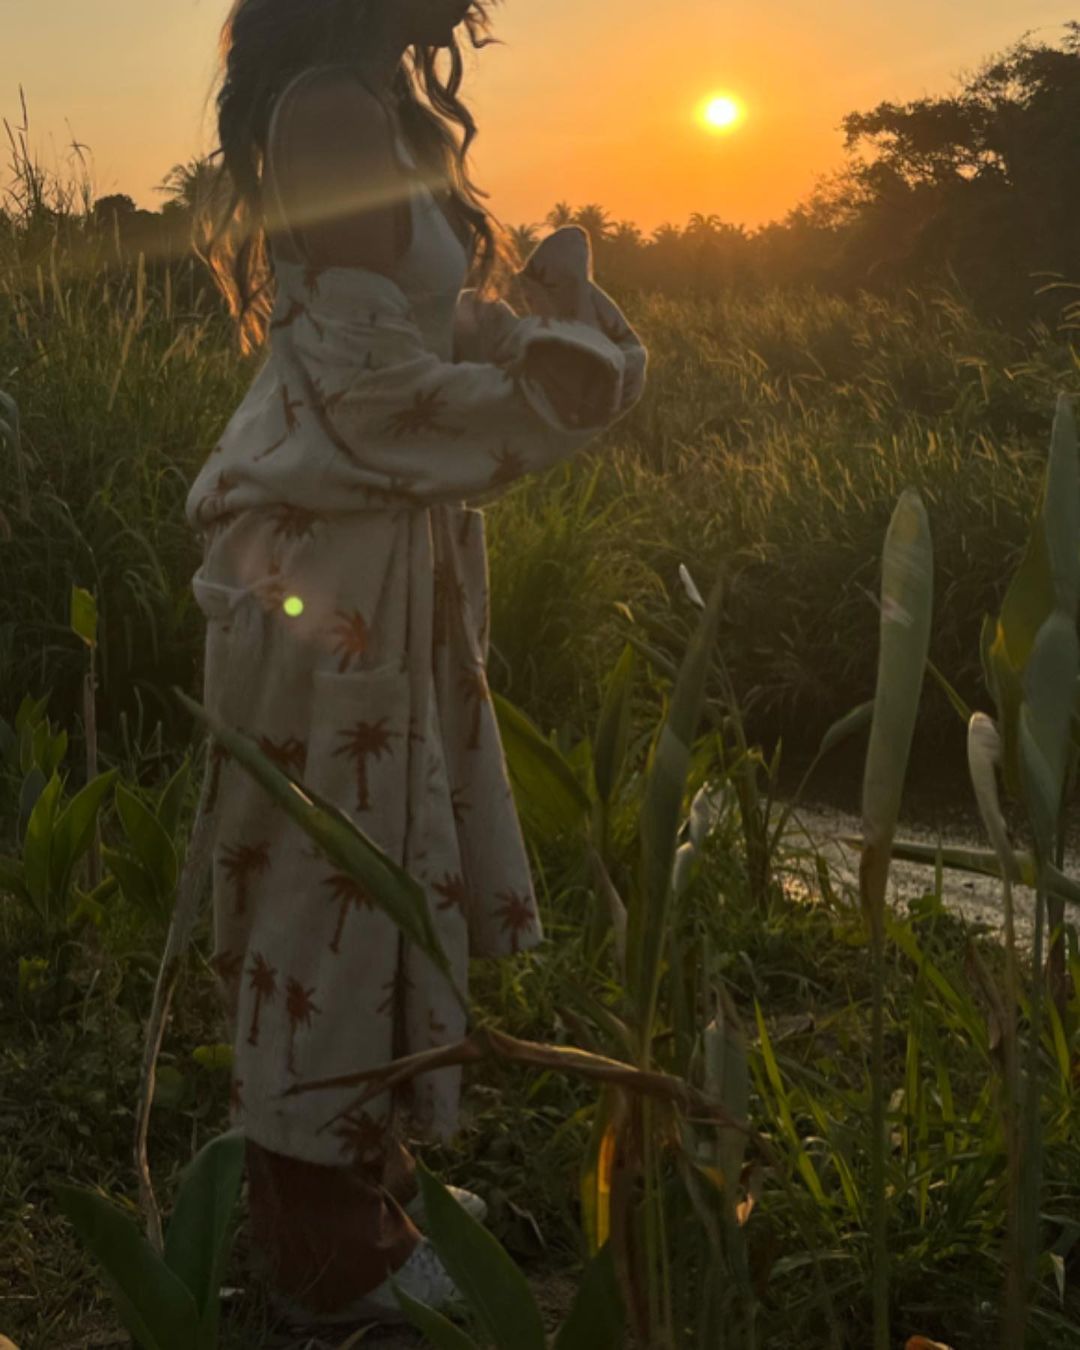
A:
(344, 583)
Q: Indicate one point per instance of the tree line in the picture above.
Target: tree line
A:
(978, 189)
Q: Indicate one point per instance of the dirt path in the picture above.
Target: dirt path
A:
(977, 898)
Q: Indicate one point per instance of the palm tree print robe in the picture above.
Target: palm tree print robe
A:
(345, 588)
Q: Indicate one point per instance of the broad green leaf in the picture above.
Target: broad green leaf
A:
(437, 1329)
(982, 862)
(172, 799)
(1049, 682)
(476, 1261)
(962, 709)
(37, 845)
(84, 615)
(136, 883)
(1042, 789)
(1061, 509)
(907, 589)
(202, 1226)
(390, 886)
(727, 1080)
(152, 845)
(851, 722)
(596, 1168)
(545, 787)
(596, 1318)
(152, 1302)
(213, 1057)
(983, 752)
(613, 728)
(662, 808)
(74, 830)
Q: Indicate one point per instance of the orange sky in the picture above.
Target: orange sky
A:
(588, 101)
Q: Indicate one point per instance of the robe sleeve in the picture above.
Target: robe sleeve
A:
(434, 430)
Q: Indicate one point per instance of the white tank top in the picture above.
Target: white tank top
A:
(433, 268)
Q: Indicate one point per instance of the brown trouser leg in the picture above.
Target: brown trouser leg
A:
(330, 1234)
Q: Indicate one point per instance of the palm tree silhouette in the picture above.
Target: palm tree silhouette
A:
(595, 220)
(290, 755)
(516, 913)
(362, 740)
(397, 987)
(346, 890)
(452, 887)
(211, 504)
(422, 416)
(524, 239)
(264, 987)
(241, 859)
(562, 213)
(362, 1139)
(298, 1008)
(352, 634)
(474, 689)
(295, 522)
(509, 464)
(189, 185)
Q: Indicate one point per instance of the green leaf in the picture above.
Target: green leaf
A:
(596, 1165)
(213, 1057)
(38, 843)
(596, 1319)
(439, 1330)
(74, 830)
(546, 789)
(202, 1226)
(662, 807)
(172, 799)
(1061, 509)
(981, 861)
(151, 843)
(136, 883)
(152, 1302)
(907, 590)
(851, 722)
(1049, 682)
(84, 615)
(475, 1260)
(613, 728)
(389, 885)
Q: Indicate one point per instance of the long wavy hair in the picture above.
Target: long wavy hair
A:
(263, 44)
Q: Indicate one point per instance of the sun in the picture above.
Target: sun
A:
(722, 112)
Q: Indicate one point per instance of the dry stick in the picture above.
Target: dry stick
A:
(181, 926)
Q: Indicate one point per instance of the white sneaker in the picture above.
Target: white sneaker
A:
(423, 1277)
(469, 1201)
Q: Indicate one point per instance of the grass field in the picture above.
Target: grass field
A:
(773, 441)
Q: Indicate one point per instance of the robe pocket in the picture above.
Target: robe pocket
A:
(233, 625)
(358, 749)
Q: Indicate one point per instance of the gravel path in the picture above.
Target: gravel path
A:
(977, 898)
